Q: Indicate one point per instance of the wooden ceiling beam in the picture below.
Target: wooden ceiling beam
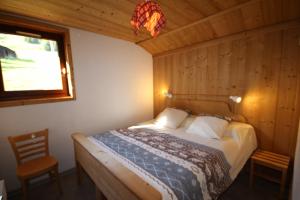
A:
(201, 20)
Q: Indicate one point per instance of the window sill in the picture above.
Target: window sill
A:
(35, 101)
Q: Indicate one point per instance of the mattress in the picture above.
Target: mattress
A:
(230, 158)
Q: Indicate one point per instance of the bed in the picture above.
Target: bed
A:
(147, 161)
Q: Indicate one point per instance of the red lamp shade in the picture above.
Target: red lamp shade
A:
(149, 15)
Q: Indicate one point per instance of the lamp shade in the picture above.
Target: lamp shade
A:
(148, 14)
(168, 94)
(236, 99)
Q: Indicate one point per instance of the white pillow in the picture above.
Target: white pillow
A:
(208, 127)
(170, 118)
(187, 122)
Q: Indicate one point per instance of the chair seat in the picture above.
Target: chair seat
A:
(36, 167)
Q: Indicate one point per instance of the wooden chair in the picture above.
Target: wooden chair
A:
(33, 159)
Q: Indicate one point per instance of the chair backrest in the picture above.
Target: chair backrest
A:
(30, 146)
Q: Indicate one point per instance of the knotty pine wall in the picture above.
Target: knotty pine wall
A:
(262, 66)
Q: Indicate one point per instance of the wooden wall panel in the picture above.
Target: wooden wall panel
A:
(288, 94)
(262, 66)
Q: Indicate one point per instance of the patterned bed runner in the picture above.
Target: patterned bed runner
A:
(189, 170)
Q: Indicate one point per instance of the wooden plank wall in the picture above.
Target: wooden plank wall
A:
(262, 66)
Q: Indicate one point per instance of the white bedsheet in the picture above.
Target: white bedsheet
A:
(236, 154)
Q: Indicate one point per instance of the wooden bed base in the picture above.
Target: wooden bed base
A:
(111, 178)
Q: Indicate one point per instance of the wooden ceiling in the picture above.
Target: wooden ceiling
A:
(188, 21)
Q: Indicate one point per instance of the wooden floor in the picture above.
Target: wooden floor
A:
(263, 190)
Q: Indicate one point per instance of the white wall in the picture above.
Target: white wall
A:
(113, 80)
(296, 178)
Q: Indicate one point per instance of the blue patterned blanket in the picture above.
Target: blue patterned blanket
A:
(178, 168)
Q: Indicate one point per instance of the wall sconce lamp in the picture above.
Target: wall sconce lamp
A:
(168, 94)
(235, 99)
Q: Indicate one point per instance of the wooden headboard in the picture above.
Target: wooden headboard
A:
(202, 104)
(197, 103)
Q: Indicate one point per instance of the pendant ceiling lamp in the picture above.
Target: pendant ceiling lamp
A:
(148, 14)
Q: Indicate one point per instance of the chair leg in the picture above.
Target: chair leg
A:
(51, 175)
(57, 179)
(24, 188)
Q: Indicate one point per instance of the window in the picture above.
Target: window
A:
(35, 63)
